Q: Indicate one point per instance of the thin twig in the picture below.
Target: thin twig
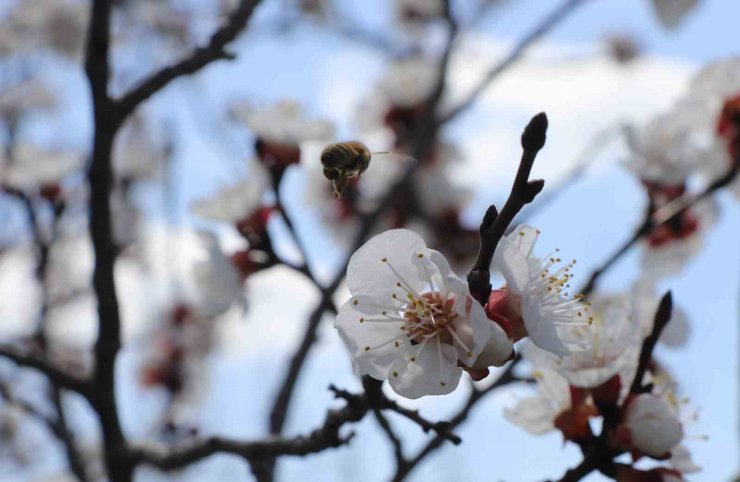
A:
(543, 27)
(653, 218)
(194, 61)
(385, 426)
(507, 377)
(662, 317)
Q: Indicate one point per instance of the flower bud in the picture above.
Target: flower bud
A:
(654, 428)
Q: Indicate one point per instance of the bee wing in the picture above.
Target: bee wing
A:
(393, 157)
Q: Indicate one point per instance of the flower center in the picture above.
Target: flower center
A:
(429, 316)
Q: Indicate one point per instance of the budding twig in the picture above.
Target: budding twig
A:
(662, 317)
(494, 224)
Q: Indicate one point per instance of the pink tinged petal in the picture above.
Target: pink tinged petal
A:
(535, 415)
(498, 349)
(382, 262)
(433, 371)
(371, 343)
(542, 332)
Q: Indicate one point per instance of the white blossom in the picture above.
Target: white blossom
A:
(284, 122)
(217, 280)
(538, 293)
(138, 153)
(57, 24)
(32, 167)
(237, 201)
(408, 82)
(662, 149)
(18, 98)
(654, 427)
(537, 414)
(411, 320)
(611, 346)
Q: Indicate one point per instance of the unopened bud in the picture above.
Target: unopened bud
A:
(533, 137)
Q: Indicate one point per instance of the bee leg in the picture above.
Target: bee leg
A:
(339, 184)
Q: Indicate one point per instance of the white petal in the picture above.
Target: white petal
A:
(535, 415)
(681, 460)
(498, 349)
(434, 372)
(541, 331)
(654, 428)
(369, 274)
(513, 264)
(358, 335)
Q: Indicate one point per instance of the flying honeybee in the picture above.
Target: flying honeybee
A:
(343, 161)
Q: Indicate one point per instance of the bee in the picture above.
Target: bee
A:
(343, 161)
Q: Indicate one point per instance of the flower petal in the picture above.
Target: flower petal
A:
(382, 262)
(434, 371)
(370, 343)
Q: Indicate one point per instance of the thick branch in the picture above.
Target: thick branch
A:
(196, 60)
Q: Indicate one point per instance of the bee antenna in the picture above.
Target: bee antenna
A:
(384, 152)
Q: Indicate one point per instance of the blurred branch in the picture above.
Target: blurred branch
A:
(51, 372)
(494, 225)
(654, 218)
(196, 60)
(543, 27)
(256, 452)
(385, 426)
(662, 317)
(506, 377)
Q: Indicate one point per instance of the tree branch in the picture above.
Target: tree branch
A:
(494, 225)
(544, 27)
(662, 317)
(196, 60)
(658, 217)
(51, 372)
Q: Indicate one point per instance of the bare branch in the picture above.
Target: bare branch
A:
(51, 372)
(662, 317)
(494, 225)
(660, 216)
(196, 60)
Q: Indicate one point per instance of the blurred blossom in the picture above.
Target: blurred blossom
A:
(557, 406)
(162, 16)
(238, 201)
(653, 426)
(217, 280)
(55, 24)
(396, 283)
(612, 346)
(31, 167)
(138, 154)
(28, 95)
(282, 123)
(126, 217)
